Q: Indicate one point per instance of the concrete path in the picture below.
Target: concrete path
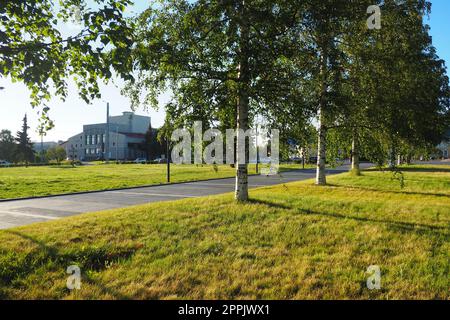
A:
(22, 212)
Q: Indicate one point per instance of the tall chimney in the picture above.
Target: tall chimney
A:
(107, 134)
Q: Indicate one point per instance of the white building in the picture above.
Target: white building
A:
(126, 139)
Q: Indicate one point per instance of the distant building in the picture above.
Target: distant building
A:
(126, 138)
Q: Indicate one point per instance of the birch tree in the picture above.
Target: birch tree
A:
(397, 85)
(392, 88)
(323, 25)
(225, 46)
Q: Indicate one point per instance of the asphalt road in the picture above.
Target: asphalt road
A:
(22, 212)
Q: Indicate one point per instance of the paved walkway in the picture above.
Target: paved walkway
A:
(23, 212)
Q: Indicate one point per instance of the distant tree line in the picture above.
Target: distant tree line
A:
(152, 147)
(19, 148)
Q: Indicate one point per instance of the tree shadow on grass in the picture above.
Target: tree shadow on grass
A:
(406, 169)
(431, 194)
(269, 204)
(47, 254)
(68, 166)
(395, 225)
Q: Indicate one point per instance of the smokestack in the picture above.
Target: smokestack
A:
(107, 134)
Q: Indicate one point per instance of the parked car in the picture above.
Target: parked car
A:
(160, 160)
(312, 160)
(140, 160)
(4, 163)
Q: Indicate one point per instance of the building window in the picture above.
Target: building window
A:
(99, 138)
(103, 138)
(87, 151)
(92, 151)
(87, 140)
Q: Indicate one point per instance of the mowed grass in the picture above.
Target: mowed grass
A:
(42, 181)
(429, 179)
(292, 241)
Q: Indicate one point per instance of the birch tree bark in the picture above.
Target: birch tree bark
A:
(399, 160)
(241, 190)
(355, 154)
(321, 178)
(321, 144)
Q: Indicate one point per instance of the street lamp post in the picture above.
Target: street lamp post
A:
(257, 150)
(117, 144)
(41, 134)
(72, 156)
(256, 142)
(42, 145)
(168, 159)
(107, 134)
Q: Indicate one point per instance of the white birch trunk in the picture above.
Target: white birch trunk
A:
(321, 178)
(241, 190)
(391, 161)
(355, 154)
(241, 193)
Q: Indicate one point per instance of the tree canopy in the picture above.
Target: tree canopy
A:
(370, 87)
(34, 51)
(296, 63)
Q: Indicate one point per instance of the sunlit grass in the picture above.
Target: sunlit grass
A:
(41, 181)
(292, 241)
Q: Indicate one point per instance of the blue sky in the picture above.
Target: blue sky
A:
(70, 115)
(439, 22)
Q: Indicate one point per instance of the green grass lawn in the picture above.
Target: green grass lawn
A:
(42, 181)
(292, 241)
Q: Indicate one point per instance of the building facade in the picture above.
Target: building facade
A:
(126, 138)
